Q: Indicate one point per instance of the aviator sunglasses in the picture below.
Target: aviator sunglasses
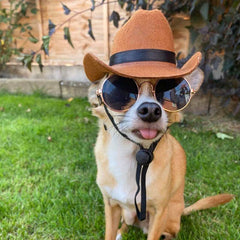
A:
(120, 93)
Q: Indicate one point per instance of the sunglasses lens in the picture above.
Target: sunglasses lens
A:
(173, 94)
(119, 93)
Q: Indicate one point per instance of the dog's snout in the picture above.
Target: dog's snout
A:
(149, 112)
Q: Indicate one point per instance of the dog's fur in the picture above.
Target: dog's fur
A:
(116, 164)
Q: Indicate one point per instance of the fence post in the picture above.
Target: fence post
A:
(106, 30)
(40, 24)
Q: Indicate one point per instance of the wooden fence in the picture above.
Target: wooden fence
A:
(61, 53)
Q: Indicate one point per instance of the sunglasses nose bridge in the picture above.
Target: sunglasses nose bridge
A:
(146, 88)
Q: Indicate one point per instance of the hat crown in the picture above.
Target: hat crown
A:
(142, 48)
(144, 30)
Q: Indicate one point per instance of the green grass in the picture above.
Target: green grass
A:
(48, 189)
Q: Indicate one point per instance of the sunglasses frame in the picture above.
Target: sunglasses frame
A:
(101, 100)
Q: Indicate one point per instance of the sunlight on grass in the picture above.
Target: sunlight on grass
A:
(47, 170)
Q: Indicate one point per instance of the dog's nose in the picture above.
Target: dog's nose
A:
(149, 112)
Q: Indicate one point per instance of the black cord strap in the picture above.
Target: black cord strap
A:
(116, 127)
(144, 157)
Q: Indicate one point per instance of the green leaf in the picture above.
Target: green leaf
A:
(67, 36)
(93, 5)
(115, 17)
(51, 27)
(39, 61)
(223, 136)
(23, 29)
(121, 3)
(193, 35)
(130, 6)
(27, 61)
(66, 9)
(90, 32)
(45, 46)
(192, 6)
(34, 10)
(142, 4)
(32, 38)
(24, 9)
(235, 4)
(204, 10)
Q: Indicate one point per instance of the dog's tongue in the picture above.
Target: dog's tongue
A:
(148, 133)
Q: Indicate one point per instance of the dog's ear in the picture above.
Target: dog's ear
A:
(97, 109)
(92, 97)
(195, 79)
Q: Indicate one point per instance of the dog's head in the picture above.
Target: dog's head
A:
(146, 118)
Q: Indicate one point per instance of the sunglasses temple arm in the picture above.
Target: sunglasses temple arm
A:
(99, 97)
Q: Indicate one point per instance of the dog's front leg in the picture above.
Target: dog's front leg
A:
(157, 224)
(112, 218)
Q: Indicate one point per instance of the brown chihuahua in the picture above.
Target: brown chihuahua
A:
(140, 166)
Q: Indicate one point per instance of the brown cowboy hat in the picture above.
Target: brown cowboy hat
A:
(142, 48)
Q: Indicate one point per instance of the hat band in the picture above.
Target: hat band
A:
(142, 55)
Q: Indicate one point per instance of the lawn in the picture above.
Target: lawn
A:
(47, 170)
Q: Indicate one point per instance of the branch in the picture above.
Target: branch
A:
(43, 48)
(83, 11)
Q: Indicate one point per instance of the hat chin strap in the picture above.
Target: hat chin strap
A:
(144, 157)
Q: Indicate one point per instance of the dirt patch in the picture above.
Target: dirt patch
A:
(214, 123)
(200, 115)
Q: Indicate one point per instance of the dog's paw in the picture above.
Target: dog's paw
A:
(166, 236)
(119, 236)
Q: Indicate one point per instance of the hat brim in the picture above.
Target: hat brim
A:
(96, 69)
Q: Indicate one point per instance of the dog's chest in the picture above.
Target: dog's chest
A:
(122, 166)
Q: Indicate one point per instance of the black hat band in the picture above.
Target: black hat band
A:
(142, 55)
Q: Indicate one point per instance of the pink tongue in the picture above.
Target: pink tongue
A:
(148, 133)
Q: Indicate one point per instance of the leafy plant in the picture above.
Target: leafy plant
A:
(10, 21)
(219, 38)
(27, 59)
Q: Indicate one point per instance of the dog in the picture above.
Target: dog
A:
(116, 164)
(136, 99)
